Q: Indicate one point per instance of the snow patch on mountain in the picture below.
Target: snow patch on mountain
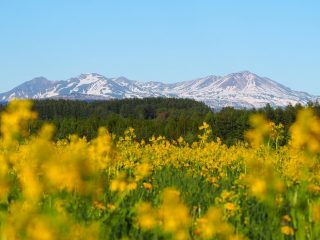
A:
(239, 90)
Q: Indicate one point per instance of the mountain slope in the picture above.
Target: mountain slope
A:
(30, 89)
(243, 89)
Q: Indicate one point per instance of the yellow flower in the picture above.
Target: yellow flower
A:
(132, 186)
(314, 188)
(173, 213)
(306, 131)
(111, 207)
(147, 186)
(99, 205)
(286, 230)
(212, 224)
(204, 126)
(118, 185)
(31, 186)
(38, 229)
(122, 184)
(230, 206)
(14, 120)
(88, 232)
(261, 130)
(101, 150)
(316, 212)
(286, 218)
(259, 188)
(181, 140)
(146, 216)
(142, 171)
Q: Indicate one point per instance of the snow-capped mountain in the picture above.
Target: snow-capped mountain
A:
(243, 89)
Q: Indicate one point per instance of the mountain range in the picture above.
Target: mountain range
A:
(239, 90)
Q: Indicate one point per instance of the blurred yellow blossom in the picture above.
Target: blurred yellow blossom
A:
(286, 230)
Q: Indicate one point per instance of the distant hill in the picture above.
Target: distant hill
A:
(239, 90)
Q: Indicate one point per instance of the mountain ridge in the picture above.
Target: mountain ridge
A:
(240, 90)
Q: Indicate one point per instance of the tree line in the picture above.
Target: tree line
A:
(167, 117)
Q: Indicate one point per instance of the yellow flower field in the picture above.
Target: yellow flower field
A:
(119, 188)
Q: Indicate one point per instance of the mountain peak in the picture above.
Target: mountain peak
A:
(122, 78)
(240, 80)
(91, 75)
(39, 80)
(239, 90)
(244, 75)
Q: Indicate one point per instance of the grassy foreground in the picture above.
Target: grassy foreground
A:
(125, 189)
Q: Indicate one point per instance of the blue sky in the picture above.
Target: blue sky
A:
(167, 40)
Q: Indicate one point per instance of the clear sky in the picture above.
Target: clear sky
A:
(165, 40)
